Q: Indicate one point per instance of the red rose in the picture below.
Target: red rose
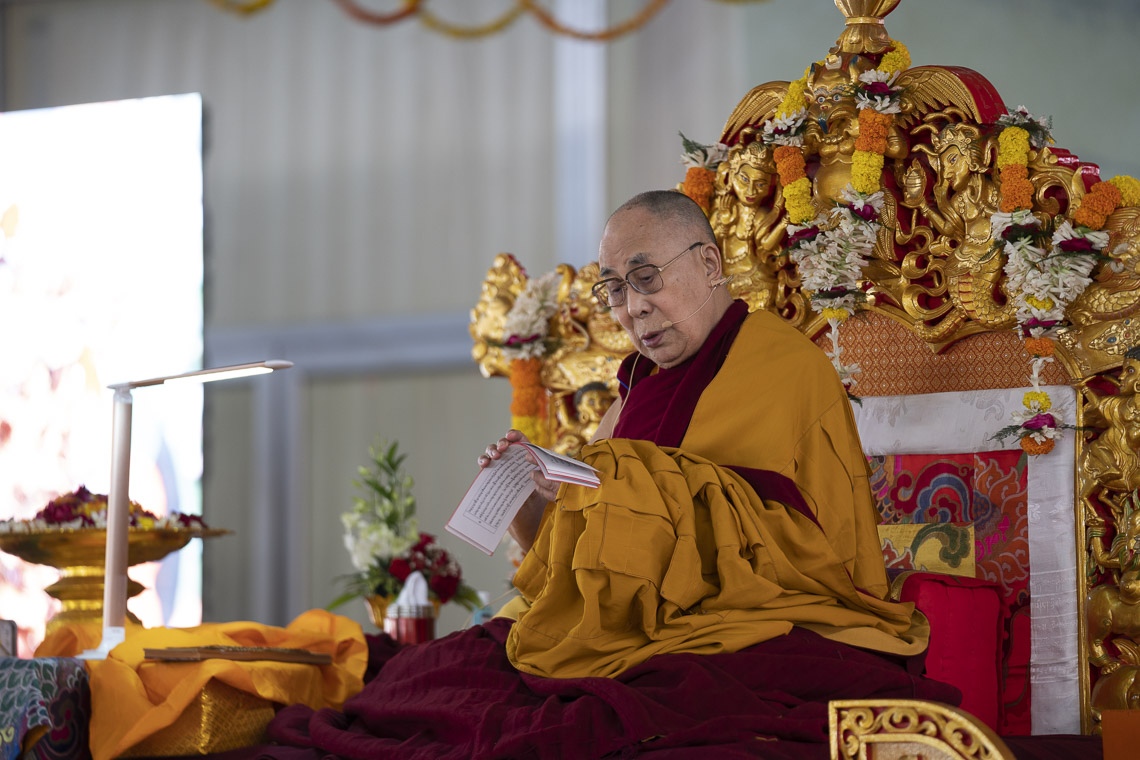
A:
(807, 233)
(444, 586)
(400, 569)
(1076, 245)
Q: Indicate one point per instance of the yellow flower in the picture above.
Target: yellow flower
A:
(896, 60)
(1044, 403)
(1045, 304)
(866, 171)
(1013, 146)
(1129, 188)
(797, 198)
(838, 314)
(795, 99)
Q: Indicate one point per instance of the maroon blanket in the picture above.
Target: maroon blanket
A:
(459, 697)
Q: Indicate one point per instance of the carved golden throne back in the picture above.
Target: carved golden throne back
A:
(968, 278)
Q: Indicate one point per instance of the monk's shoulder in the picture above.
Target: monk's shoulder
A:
(768, 334)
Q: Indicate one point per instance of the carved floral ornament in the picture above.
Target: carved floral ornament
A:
(404, 10)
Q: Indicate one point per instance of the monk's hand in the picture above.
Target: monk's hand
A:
(546, 490)
(524, 528)
(496, 449)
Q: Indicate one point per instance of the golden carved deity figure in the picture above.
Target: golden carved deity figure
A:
(833, 124)
(588, 343)
(958, 211)
(748, 221)
(1112, 461)
(1110, 475)
(1113, 612)
(1115, 292)
(505, 280)
(579, 419)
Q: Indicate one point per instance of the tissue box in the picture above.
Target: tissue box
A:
(220, 719)
(8, 638)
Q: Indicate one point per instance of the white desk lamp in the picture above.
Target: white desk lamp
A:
(118, 508)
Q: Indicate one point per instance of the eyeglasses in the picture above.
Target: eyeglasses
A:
(645, 279)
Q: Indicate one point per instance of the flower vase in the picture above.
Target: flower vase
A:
(377, 609)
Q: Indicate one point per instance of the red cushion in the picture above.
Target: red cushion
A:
(965, 637)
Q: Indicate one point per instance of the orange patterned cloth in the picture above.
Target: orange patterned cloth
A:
(896, 362)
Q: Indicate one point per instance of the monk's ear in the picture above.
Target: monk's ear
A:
(710, 255)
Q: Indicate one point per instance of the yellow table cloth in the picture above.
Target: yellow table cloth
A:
(133, 698)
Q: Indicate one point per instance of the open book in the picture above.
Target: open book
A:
(499, 491)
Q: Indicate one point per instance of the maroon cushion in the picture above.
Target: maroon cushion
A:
(966, 624)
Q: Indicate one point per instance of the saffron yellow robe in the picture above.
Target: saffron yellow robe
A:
(677, 553)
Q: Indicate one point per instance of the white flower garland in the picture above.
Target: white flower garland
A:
(1043, 281)
(528, 322)
(701, 156)
(785, 130)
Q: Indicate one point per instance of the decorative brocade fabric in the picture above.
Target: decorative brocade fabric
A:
(948, 425)
(989, 490)
(44, 708)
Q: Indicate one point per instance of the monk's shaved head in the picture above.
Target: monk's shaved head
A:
(674, 208)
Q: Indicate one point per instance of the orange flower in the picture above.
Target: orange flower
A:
(1033, 448)
(1095, 207)
(698, 185)
(1039, 346)
(528, 393)
(789, 163)
(873, 128)
(1016, 189)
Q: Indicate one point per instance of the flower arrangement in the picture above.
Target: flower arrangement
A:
(830, 254)
(383, 538)
(1048, 263)
(525, 332)
(82, 509)
(830, 248)
(700, 175)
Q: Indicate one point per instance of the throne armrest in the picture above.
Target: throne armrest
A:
(870, 729)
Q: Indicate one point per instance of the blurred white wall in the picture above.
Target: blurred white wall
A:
(360, 179)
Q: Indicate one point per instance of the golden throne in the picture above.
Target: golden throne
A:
(976, 287)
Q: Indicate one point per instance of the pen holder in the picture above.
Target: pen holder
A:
(410, 624)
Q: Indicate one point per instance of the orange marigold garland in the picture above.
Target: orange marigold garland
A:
(1100, 201)
(786, 130)
(790, 167)
(831, 247)
(525, 332)
(1048, 265)
(1016, 190)
(528, 399)
(1013, 155)
(702, 161)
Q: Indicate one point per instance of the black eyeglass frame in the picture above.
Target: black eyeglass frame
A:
(601, 292)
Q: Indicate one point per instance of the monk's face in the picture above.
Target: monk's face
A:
(636, 237)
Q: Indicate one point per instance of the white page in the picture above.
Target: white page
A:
(493, 500)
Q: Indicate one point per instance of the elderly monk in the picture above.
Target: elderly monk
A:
(720, 586)
(734, 502)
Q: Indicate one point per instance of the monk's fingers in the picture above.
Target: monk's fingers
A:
(548, 489)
